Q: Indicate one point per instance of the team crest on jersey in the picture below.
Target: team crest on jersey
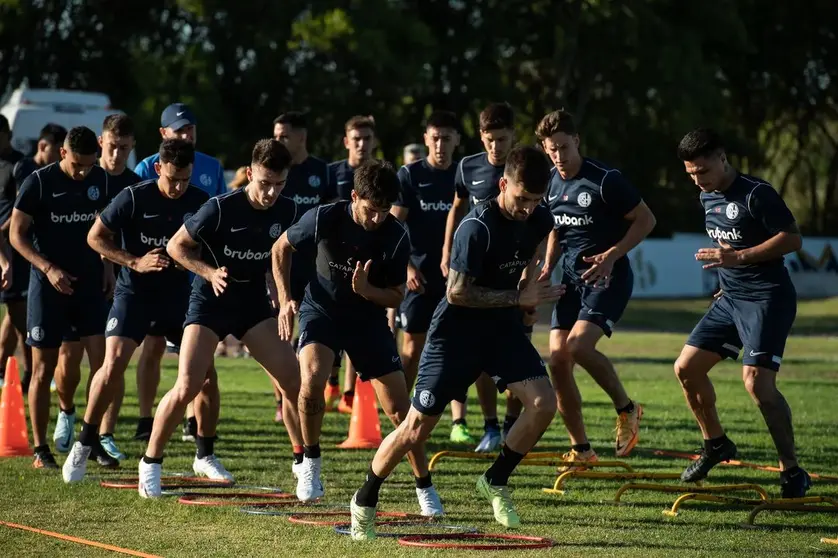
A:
(275, 230)
(93, 193)
(584, 199)
(205, 179)
(732, 211)
(314, 181)
(427, 399)
(112, 324)
(37, 333)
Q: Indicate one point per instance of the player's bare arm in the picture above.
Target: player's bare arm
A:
(281, 269)
(782, 243)
(19, 237)
(5, 265)
(642, 222)
(103, 241)
(462, 291)
(537, 261)
(552, 253)
(455, 215)
(184, 250)
(389, 297)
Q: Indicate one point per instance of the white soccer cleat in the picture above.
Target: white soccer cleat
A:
(149, 482)
(309, 485)
(64, 431)
(211, 468)
(75, 467)
(429, 502)
(296, 468)
(363, 522)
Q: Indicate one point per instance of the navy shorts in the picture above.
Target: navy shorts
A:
(603, 307)
(232, 313)
(368, 343)
(455, 354)
(760, 327)
(52, 317)
(20, 279)
(134, 316)
(417, 310)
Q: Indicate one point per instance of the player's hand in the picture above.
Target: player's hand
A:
(443, 265)
(285, 319)
(60, 280)
(360, 278)
(545, 273)
(415, 280)
(725, 256)
(530, 317)
(218, 279)
(6, 277)
(154, 260)
(599, 274)
(538, 292)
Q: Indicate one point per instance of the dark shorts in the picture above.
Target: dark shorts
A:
(456, 354)
(233, 313)
(20, 279)
(761, 328)
(603, 307)
(417, 310)
(52, 317)
(368, 343)
(134, 316)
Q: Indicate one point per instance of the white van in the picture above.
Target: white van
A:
(29, 110)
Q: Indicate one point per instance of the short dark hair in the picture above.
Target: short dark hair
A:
(442, 119)
(4, 124)
(529, 167)
(358, 122)
(179, 152)
(53, 133)
(497, 116)
(82, 141)
(119, 125)
(377, 182)
(701, 142)
(555, 122)
(271, 154)
(293, 118)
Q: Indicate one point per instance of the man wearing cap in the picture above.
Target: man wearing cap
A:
(413, 152)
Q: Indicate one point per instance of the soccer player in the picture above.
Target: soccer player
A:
(752, 230)
(478, 327)
(360, 141)
(427, 195)
(599, 217)
(477, 180)
(227, 244)
(176, 121)
(361, 267)
(56, 207)
(151, 294)
(13, 328)
(308, 186)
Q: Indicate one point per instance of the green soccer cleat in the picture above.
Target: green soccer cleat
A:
(461, 435)
(501, 501)
(363, 522)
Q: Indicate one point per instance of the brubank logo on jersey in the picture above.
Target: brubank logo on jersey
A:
(570, 221)
(719, 234)
(306, 200)
(74, 217)
(152, 241)
(246, 255)
(435, 206)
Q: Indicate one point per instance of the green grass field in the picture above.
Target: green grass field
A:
(582, 521)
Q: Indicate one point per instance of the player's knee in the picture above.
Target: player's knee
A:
(561, 360)
(579, 348)
(759, 383)
(544, 406)
(684, 371)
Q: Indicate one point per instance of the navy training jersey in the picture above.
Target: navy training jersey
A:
(428, 194)
(340, 243)
(308, 184)
(118, 182)
(477, 179)
(62, 211)
(146, 219)
(494, 250)
(589, 213)
(238, 236)
(341, 180)
(8, 183)
(745, 215)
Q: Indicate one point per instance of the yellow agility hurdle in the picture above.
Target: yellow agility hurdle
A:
(558, 486)
(793, 504)
(541, 459)
(691, 489)
(829, 541)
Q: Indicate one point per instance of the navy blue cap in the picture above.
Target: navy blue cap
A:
(176, 116)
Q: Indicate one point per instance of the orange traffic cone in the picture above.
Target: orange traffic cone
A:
(364, 426)
(14, 438)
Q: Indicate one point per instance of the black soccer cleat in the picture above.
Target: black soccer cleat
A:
(708, 459)
(143, 433)
(794, 483)
(102, 457)
(44, 460)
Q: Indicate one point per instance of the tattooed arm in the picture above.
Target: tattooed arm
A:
(462, 291)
